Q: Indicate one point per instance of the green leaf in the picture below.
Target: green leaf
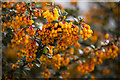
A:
(31, 38)
(63, 68)
(34, 17)
(38, 65)
(49, 55)
(9, 29)
(45, 50)
(67, 21)
(76, 20)
(26, 13)
(56, 7)
(79, 18)
(51, 44)
(60, 12)
(56, 21)
(65, 13)
(37, 62)
(26, 4)
(26, 68)
(39, 55)
(25, 73)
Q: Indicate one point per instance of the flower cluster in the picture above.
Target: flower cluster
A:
(46, 73)
(55, 62)
(106, 71)
(85, 32)
(65, 61)
(111, 51)
(96, 57)
(22, 40)
(7, 5)
(85, 68)
(51, 33)
(37, 12)
(21, 8)
(17, 22)
(51, 16)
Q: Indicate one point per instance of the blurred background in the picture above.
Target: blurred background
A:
(103, 17)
